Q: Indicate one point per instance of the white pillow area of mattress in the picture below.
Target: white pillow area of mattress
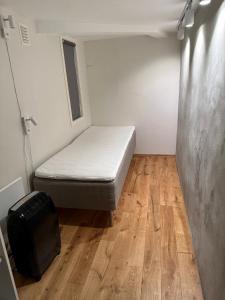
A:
(95, 155)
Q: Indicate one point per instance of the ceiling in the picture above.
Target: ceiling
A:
(145, 15)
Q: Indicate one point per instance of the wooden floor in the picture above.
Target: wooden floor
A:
(147, 254)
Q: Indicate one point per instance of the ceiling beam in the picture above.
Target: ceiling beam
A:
(93, 29)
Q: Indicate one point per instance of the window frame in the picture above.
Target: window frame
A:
(76, 63)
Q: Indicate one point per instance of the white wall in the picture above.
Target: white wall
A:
(11, 137)
(39, 76)
(135, 81)
(52, 109)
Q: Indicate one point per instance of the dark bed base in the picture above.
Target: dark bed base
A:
(88, 194)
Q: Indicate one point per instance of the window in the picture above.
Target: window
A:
(69, 50)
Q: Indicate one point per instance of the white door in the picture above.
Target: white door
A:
(7, 286)
(12, 164)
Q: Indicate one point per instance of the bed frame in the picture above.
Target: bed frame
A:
(94, 195)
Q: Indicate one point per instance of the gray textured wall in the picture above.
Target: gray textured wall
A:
(201, 142)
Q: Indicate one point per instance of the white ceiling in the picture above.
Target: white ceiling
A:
(156, 15)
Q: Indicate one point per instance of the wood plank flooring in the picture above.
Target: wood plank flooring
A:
(146, 255)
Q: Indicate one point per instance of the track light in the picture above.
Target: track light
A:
(189, 17)
(204, 2)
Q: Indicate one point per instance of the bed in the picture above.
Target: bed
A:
(90, 172)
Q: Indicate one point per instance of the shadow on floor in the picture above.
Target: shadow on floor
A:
(83, 218)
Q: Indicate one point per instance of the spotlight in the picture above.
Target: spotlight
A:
(189, 17)
(204, 2)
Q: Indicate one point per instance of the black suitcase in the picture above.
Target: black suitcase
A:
(33, 232)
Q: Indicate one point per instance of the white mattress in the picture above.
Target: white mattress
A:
(95, 155)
